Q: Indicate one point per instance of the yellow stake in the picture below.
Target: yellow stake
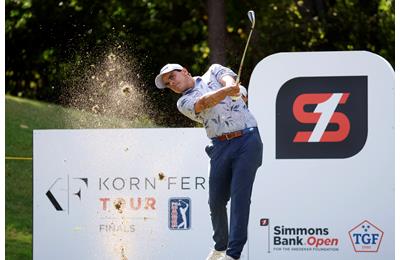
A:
(18, 158)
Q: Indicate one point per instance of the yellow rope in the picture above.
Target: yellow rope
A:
(18, 158)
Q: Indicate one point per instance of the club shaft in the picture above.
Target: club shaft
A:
(243, 56)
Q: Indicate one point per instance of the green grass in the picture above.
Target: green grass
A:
(22, 117)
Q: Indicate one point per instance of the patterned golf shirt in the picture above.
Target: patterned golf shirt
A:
(227, 116)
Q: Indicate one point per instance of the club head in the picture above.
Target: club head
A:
(252, 17)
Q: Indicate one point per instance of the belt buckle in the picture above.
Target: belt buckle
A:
(227, 137)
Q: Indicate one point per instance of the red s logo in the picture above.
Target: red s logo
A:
(323, 115)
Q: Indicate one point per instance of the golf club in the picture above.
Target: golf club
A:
(252, 17)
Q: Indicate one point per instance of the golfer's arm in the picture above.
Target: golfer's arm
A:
(210, 99)
(213, 98)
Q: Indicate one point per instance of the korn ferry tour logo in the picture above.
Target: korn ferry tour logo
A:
(122, 203)
(62, 190)
(109, 191)
(321, 117)
(179, 213)
(366, 237)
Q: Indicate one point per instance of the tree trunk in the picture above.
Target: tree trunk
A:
(319, 6)
(216, 31)
(311, 8)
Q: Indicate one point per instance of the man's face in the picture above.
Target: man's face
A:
(178, 81)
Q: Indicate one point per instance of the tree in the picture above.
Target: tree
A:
(51, 46)
(216, 30)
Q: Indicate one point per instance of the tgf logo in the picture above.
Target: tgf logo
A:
(321, 117)
(366, 237)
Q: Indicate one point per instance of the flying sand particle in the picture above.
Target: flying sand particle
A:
(118, 204)
(123, 256)
(95, 108)
(127, 90)
(111, 87)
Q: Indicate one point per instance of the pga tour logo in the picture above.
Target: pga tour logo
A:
(321, 117)
(179, 213)
(366, 237)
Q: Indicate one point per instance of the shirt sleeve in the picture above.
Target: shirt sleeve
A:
(186, 106)
(219, 71)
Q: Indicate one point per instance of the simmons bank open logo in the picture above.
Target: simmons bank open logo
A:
(321, 117)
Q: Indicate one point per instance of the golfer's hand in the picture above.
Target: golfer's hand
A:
(233, 89)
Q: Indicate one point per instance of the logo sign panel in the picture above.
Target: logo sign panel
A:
(96, 199)
(321, 117)
(327, 123)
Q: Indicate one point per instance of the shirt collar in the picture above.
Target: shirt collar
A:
(197, 81)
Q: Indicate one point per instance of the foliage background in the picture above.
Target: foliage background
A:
(50, 42)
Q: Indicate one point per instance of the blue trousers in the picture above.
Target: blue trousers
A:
(233, 166)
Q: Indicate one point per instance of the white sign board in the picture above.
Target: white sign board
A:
(326, 186)
(120, 194)
(325, 190)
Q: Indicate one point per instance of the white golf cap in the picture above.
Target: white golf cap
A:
(167, 68)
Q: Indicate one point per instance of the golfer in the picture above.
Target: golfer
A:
(235, 150)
